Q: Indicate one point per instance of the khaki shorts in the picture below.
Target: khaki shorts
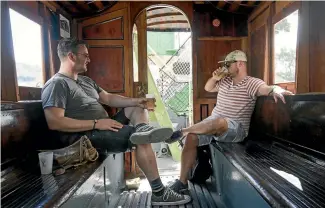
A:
(235, 132)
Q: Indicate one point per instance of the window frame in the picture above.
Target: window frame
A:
(286, 11)
(25, 92)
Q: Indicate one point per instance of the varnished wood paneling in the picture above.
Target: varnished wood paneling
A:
(258, 52)
(9, 86)
(204, 109)
(260, 20)
(230, 24)
(290, 86)
(141, 24)
(30, 93)
(303, 50)
(30, 9)
(259, 10)
(107, 67)
(112, 55)
(281, 5)
(110, 29)
(208, 55)
(317, 47)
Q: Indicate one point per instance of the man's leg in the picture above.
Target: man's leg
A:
(233, 133)
(188, 160)
(145, 133)
(147, 162)
(210, 126)
(188, 156)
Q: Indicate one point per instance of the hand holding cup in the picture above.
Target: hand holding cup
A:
(219, 73)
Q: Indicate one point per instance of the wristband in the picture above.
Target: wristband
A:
(95, 121)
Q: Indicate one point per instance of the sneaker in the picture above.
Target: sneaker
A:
(179, 187)
(169, 197)
(177, 135)
(148, 134)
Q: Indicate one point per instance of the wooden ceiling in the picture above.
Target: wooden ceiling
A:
(166, 19)
(81, 9)
(236, 7)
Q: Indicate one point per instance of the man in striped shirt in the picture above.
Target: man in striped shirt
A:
(230, 119)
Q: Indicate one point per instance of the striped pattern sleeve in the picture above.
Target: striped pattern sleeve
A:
(253, 86)
(219, 83)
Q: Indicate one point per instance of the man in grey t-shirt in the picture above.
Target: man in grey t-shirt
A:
(73, 107)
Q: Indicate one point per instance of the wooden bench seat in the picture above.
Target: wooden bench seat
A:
(284, 156)
(25, 186)
(24, 131)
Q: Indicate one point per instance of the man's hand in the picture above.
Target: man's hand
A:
(219, 74)
(142, 103)
(278, 92)
(108, 124)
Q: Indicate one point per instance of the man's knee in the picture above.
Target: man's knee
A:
(133, 111)
(221, 125)
(192, 140)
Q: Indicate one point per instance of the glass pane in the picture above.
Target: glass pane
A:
(285, 47)
(27, 41)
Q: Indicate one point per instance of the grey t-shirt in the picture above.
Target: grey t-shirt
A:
(78, 98)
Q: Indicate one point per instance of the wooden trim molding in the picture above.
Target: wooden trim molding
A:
(221, 38)
(286, 11)
(259, 10)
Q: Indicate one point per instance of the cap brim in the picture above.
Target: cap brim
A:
(221, 61)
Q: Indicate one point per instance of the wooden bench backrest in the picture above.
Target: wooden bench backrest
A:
(300, 121)
(23, 129)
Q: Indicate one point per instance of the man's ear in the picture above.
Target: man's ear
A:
(71, 57)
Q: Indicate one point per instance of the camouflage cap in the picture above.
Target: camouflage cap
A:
(236, 55)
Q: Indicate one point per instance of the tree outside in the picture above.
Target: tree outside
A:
(285, 48)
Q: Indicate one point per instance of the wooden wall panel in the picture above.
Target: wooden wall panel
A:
(317, 46)
(259, 42)
(303, 50)
(107, 67)
(230, 24)
(208, 55)
(260, 20)
(110, 58)
(30, 93)
(204, 111)
(258, 52)
(281, 5)
(9, 87)
(310, 43)
(111, 29)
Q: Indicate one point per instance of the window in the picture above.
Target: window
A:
(27, 42)
(285, 48)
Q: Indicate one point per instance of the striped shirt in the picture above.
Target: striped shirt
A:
(237, 102)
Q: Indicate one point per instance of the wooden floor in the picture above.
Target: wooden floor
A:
(202, 196)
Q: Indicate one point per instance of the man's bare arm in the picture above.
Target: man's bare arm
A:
(57, 121)
(275, 91)
(210, 86)
(117, 101)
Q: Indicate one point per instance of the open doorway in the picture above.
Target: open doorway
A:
(166, 32)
